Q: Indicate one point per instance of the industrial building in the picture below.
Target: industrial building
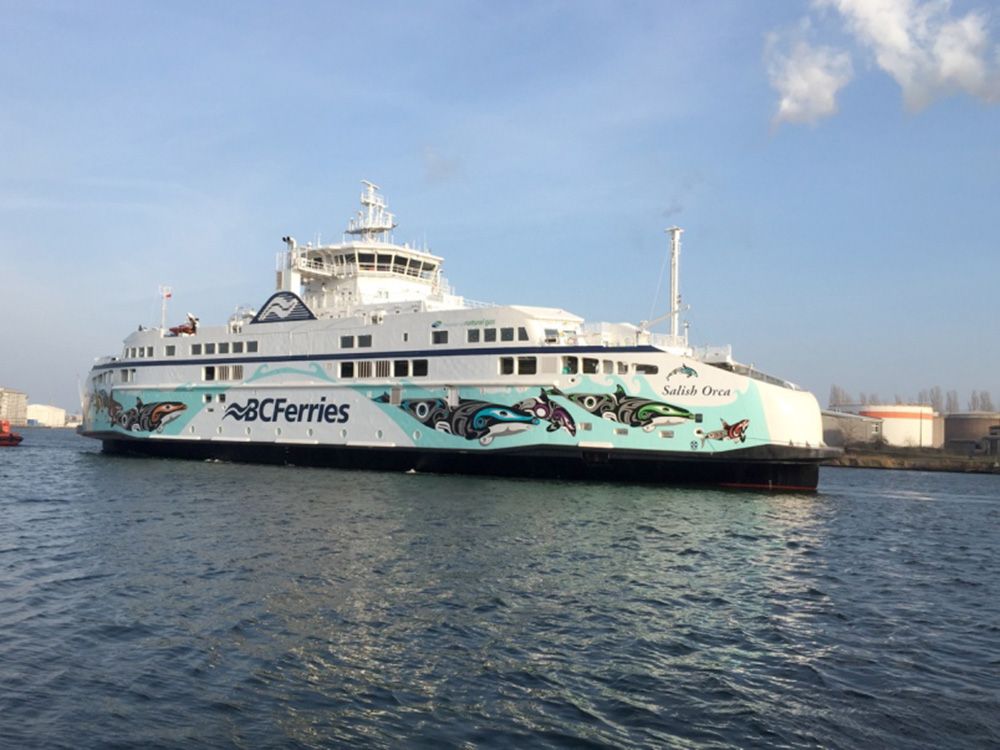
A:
(842, 428)
(46, 416)
(903, 425)
(971, 432)
(14, 407)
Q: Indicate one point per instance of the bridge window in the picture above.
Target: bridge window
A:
(490, 334)
(522, 333)
(506, 334)
(472, 335)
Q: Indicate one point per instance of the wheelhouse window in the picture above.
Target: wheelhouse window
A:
(472, 335)
(489, 334)
(522, 333)
(506, 334)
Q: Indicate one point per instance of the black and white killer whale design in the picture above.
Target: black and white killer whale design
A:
(470, 419)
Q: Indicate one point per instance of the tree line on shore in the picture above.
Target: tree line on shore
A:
(941, 402)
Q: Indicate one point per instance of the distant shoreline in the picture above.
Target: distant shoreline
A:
(914, 459)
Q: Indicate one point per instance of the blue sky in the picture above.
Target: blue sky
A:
(836, 170)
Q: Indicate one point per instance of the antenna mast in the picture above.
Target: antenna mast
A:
(675, 281)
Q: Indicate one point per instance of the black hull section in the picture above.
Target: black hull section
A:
(768, 467)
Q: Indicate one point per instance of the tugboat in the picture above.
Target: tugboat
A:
(8, 438)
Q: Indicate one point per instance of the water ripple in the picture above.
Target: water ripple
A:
(164, 604)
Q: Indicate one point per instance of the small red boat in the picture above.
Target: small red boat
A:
(8, 438)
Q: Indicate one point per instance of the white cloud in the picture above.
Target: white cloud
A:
(927, 50)
(807, 77)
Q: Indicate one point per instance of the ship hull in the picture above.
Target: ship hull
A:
(763, 467)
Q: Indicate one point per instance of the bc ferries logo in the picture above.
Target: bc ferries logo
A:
(283, 306)
(278, 409)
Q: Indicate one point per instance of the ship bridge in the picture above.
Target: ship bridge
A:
(366, 269)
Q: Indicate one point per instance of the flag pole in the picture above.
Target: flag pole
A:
(165, 293)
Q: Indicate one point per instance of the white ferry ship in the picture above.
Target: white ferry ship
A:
(364, 357)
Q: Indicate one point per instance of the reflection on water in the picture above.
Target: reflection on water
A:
(175, 603)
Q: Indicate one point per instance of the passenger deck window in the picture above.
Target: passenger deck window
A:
(420, 368)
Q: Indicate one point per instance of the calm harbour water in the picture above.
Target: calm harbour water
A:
(155, 603)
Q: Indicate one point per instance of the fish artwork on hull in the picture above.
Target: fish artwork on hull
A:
(734, 432)
(471, 419)
(634, 411)
(141, 417)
